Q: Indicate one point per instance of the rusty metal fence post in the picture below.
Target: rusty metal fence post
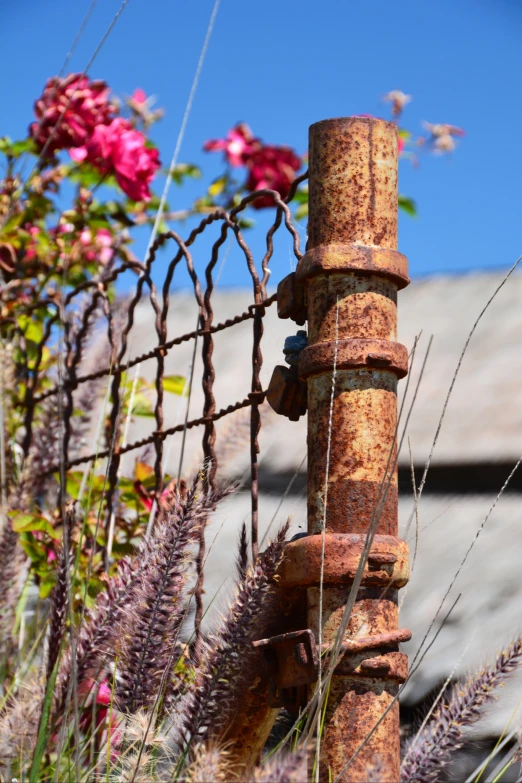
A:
(348, 282)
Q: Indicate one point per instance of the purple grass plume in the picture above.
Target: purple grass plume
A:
(94, 643)
(58, 613)
(444, 733)
(12, 572)
(157, 604)
(242, 554)
(226, 663)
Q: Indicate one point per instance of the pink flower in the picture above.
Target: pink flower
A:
(139, 96)
(104, 695)
(268, 166)
(86, 237)
(76, 106)
(274, 168)
(443, 129)
(98, 248)
(401, 144)
(103, 243)
(238, 144)
(442, 136)
(398, 100)
(120, 149)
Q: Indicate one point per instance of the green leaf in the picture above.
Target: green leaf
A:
(408, 205)
(301, 197)
(26, 523)
(301, 211)
(32, 329)
(89, 176)
(46, 585)
(175, 384)
(218, 186)
(16, 148)
(142, 471)
(74, 481)
(404, 134)
(117, 211)
(19, 147)
(183, 170)
(244, 222)
(142, 406)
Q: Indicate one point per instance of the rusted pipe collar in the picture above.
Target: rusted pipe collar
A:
(387, 564)
(360, 259)
(352, 354)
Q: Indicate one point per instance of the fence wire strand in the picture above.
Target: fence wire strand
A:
(89, 303)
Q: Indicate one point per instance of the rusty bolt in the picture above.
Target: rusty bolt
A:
(375, 666)
(286, 394)
(300, 654)
(377, 559)
(290, 299)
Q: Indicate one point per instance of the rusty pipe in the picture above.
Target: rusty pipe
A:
(351, 273)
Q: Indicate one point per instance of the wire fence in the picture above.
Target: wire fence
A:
(73, 321)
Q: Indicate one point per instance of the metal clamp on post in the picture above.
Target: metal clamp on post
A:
(286, 393)
(293, 663)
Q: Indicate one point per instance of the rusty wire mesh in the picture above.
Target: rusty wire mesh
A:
(74, 332)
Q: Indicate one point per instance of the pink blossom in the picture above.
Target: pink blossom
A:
(274, 168)
(442, 136)
(400, 143)
(398, 100)
(31, 247)
(120, 149)
(69, 110)
(139, 96)
(104, 694)
(103, 243)
(86, 237)
(443, 129)
(98, 248)
(238, 144)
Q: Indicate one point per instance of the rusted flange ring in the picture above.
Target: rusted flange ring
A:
(353, 353)
(387, 564)
(387, 666)
(380, 261)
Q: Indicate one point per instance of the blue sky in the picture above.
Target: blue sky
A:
(280, 66)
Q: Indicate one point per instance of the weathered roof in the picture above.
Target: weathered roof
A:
(483, 421)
